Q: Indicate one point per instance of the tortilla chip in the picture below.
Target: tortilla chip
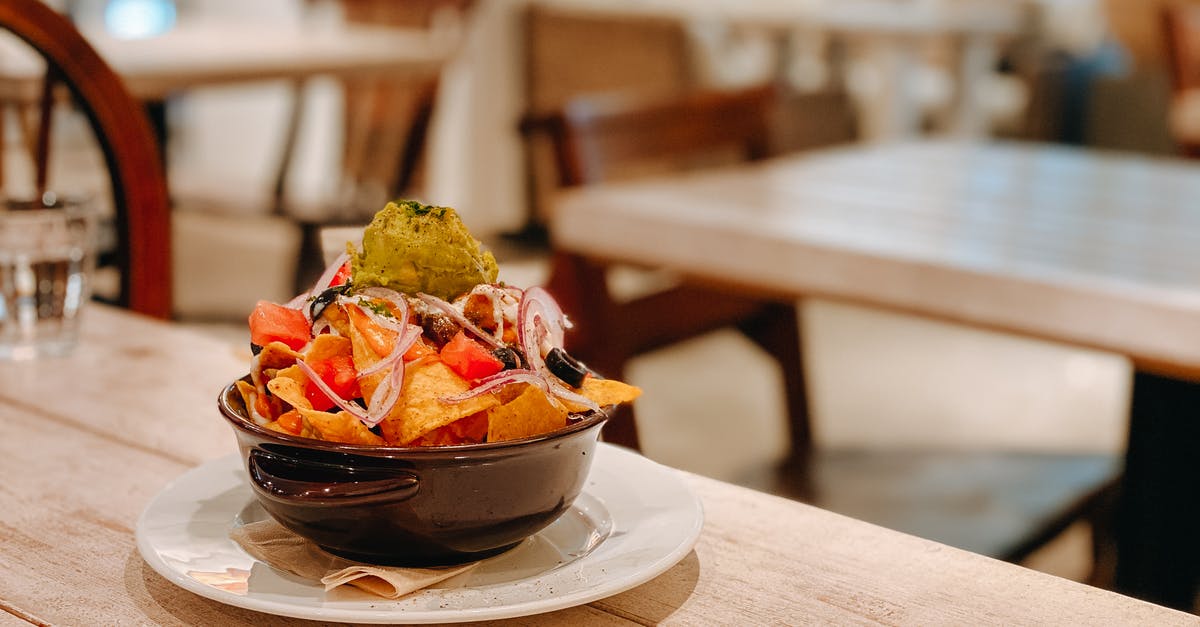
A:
(289, 390)
(420, 408)
(277, 355)
(470, 430)
(339, 427)
(371, 342)
(530, 413)
(275, 426)
(250, 399)
(609, 391)
(604, 392)
(326, 346)
(294, 373)
(337, 319)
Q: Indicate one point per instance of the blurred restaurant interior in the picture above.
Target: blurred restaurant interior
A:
(920, 411)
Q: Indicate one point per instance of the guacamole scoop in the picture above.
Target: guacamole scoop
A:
(410, 247)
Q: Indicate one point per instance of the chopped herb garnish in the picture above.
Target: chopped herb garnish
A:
(379, 308)
(415, 208)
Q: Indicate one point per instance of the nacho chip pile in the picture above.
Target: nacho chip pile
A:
(368, 365)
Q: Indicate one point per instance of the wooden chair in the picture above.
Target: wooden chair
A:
(1001, 504)
(568, 54)
(142, 218)
(385, 127)
(1181, 34)
(593, 140)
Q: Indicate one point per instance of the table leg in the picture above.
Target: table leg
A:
(1158, 518)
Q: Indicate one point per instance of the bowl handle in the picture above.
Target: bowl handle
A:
(267, 471)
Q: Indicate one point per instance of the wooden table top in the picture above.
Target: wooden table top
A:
(86, 442)
(1089, 248)
(207, 52)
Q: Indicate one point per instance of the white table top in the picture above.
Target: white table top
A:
(210, 52)
(1082, 247)
(88, 440)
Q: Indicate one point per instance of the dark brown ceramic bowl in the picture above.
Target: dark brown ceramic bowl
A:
(414, 505)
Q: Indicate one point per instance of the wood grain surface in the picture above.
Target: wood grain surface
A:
(86, 441)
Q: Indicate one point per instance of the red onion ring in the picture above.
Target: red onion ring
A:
(531, 377)
(457, 316)
(301, 300)
(539, 319)
(391, 386)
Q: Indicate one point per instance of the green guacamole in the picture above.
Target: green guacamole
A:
(410, 247)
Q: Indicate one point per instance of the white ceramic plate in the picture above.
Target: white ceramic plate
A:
(633, 521)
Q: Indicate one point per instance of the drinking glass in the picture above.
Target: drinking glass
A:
(47, 257)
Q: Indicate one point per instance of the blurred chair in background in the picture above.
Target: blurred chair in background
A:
(142, 251)
(1181, 30)
(607, 138)
(384, 128)
(1014, 503)
(568, 55)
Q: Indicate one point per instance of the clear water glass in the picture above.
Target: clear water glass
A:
(47, 257)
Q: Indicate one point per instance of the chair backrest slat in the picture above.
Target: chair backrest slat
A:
(594, 137)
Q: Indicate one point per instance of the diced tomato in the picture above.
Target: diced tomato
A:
(470, 359)
(291, 421)
(270, 322)
(339, 374)
(342, 276)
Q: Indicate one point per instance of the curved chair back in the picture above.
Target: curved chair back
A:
(129, 145)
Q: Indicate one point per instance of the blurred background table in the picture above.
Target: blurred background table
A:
(196, 53)
(894, 33)
(88, 440)
(1083, 248)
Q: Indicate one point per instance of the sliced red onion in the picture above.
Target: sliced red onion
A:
(539, 320)
(566, 394)
(496, 381)
(354, 409)
(457, 316)
(301, 300)
(386, 394)
(509, 377)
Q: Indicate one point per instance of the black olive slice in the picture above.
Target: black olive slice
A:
(508, 357)
(565, 367)
(324, 299)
